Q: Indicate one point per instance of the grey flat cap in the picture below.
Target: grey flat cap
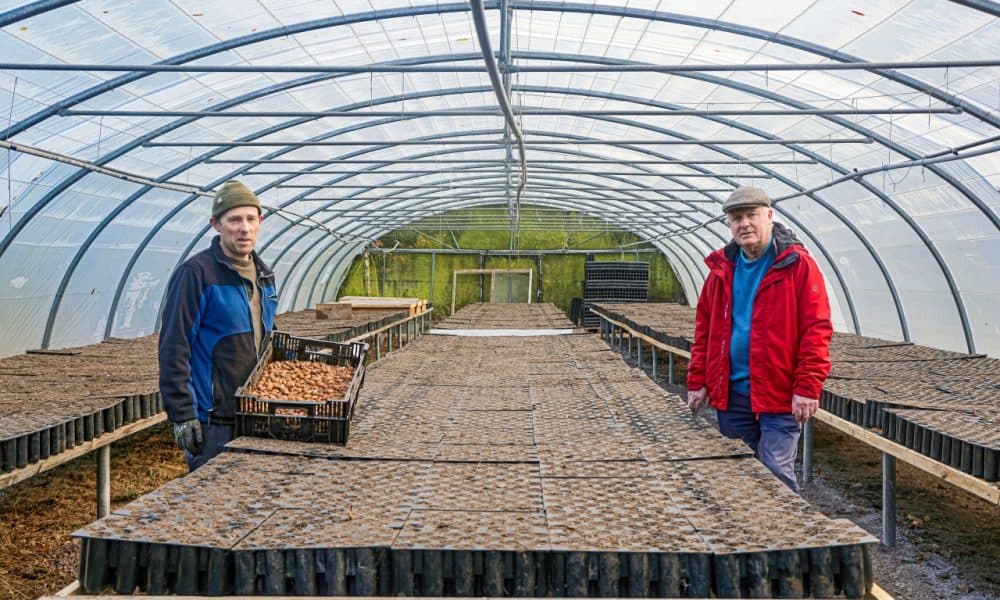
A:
(745, 196)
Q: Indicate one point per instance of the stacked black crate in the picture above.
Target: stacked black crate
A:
(613, 282)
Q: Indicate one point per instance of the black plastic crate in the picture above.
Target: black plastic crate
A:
(295, 420)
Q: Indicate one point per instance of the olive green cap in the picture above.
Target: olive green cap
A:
(232, 194)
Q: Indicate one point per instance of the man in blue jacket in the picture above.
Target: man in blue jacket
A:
(220, 303)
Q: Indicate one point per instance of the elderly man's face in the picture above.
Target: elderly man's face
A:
(751, 228)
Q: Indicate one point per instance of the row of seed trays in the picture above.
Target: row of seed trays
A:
(539, 466)
(671, 324)
(942, 404)
(53, 400)
(507, 316)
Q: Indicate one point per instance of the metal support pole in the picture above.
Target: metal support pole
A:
(670, 368)
(638, 351)
(807, 451)
(378, 346)
(103, 481)
(888, 500)
(654, 361)
(430, 294)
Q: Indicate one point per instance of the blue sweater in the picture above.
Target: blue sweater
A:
(746, 280)
(207, 347)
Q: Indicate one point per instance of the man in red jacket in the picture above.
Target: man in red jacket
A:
(762, 334)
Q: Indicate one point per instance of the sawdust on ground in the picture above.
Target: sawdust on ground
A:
(37, 516)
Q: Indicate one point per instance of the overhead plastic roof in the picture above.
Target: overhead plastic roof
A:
(888, 173)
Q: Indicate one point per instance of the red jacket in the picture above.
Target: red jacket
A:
(790, 329)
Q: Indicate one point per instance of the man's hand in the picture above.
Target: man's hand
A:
(803, 408)
(189, 437)
(697, 399)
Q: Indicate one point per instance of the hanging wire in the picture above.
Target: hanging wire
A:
(10, 164)
(100, 134)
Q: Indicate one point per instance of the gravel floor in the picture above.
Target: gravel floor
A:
(910, 571)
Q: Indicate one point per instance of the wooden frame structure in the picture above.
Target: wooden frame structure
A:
(492, 272)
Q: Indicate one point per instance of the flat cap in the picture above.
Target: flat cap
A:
(232, 194)
(746, 196)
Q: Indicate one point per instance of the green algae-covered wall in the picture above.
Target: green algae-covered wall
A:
(561, 275)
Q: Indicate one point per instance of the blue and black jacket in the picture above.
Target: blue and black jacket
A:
(206, 346)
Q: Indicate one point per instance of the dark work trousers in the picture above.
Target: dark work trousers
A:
(216, 437)
(774, 438)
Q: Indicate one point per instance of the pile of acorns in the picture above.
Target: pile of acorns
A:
(303, 380)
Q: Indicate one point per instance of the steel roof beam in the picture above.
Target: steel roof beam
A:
(521, 111)
(381, 68)
(291, 144)
(499, 162)
(32, 9)
(540, 194)
(445, 171)
(445, 187)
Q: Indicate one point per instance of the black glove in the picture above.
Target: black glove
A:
(189, 437)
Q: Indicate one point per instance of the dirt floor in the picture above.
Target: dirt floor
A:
(37, 516)
(947, 541)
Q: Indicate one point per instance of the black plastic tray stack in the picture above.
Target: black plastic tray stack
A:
(327, 421)
(612, 282)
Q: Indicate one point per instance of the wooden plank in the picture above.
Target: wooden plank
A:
(19, 475)
(878, 593)
(368, 334)
(642, 336)
(985, 490)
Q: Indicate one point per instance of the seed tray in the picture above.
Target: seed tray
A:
(865, 402)
(487, 453)
(297, 420)
(969, 441)
(33, 438)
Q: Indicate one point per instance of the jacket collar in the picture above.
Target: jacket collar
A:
(262, 269)
(786, 249)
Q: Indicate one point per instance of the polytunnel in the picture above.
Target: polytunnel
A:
(875, 128)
